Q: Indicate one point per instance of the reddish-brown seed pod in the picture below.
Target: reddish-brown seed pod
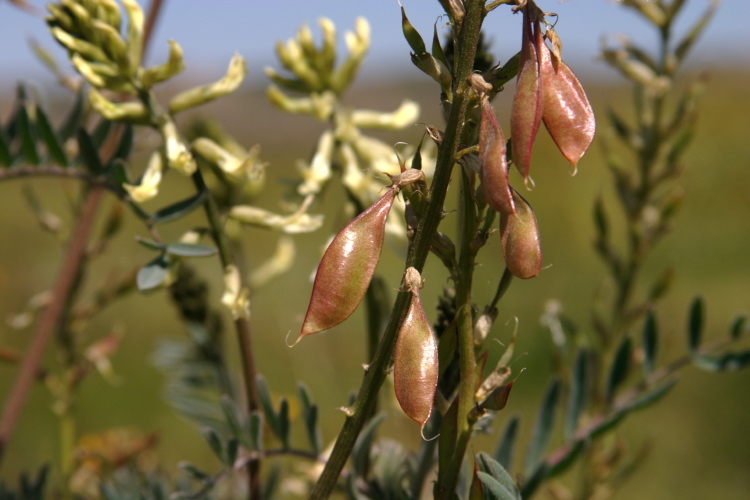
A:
(567, 113)
(519, 234)
(526, 112)
(493, 166)
(415, 365)
(346, 269)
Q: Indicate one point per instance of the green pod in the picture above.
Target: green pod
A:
(346, 269)
(526, 111)
(415, 365)
(567, 113)
(519, 234)
(493, 166)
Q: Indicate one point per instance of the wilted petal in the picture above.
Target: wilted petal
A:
(346, 269)
(493, 167)
(519, 234)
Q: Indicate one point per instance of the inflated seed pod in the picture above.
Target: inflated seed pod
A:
(567, 113)
(415, 365)
(346, 269)
(526, 112)
(493, 166)
(519, 234)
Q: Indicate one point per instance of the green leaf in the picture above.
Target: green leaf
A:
(51, 140)
(28, 137)
(506, 73)
(651, 396)
(566, 460)
(5, 158)
(650, 343)
(232, 448)
(150, 244)
(73, 120)
(619, 370)
(361, 450)
(691, 37)
(266, 405)
(600, 219)
(284, 422)
(189, 250)
(738, 327)
(695, 325)
(310, 416)
(124, 146)
(234, 419)
(488, 465)
(179, 209)
(504, 452)
(101, 131)
(255, 431)
(622, 129)
(412, 35)
(494, 488)
(194, 472)
(437, 50)
(542, 432)
(152, 274)
(214, 442)
(89, 153)
(662, 285)
(730, 361)
(578, 395)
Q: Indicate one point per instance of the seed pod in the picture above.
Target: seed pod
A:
(345, 271)
(526, 113)
(415, 365)
(519, 234)
(567, 113)
(493, 167)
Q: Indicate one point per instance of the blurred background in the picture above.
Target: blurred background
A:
(698, 436)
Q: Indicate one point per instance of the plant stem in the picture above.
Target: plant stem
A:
(241, 325)
(428, 224)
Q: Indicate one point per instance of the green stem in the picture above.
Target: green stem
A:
(428, 224)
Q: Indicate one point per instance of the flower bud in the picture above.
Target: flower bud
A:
(346, 269)
(493, 166)
(415, 364)
(199, 95)
(519, 234)
(526, 112)
(149, 184)
(172, 67)
(132, 111)
(567, 113)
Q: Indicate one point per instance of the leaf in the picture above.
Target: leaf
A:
(88, 152)
(230, 457)
(150, 244)
(255, 431)
(542, 432)
(179, 209)
(730, 361)
(50, 138)
(495, 470)
(692, 35)
(194, 472)
(504, 452)
(266, 405)
(214, 442)
(361, 449)
(413, 38)
(284, 422)
(101, 131)
(437, 49)
(28, 137)
(578, 395)
(650, 342)
(738, 327)
(152, 274)
(5, 157)
(125, 144)
(695, 325)
(619, 370)
(73, 120)
(494, 488)
(651, 396)
(310, 415)
(189, 250)
(234, 419)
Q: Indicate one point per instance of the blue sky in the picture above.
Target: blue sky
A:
(211, 30)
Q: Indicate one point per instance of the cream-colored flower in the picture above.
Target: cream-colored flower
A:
(149, 185)
(236, 298)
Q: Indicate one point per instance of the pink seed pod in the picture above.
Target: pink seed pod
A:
(347, 267)
(526, 112)
(493, 166)
(519, 235)
(415, 365)
(567, 113)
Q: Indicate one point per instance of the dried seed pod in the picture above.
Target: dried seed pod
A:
(493, 166)
(346, 269)
(415, 366)
(519, 234)
(567, 113)
(526, 113)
